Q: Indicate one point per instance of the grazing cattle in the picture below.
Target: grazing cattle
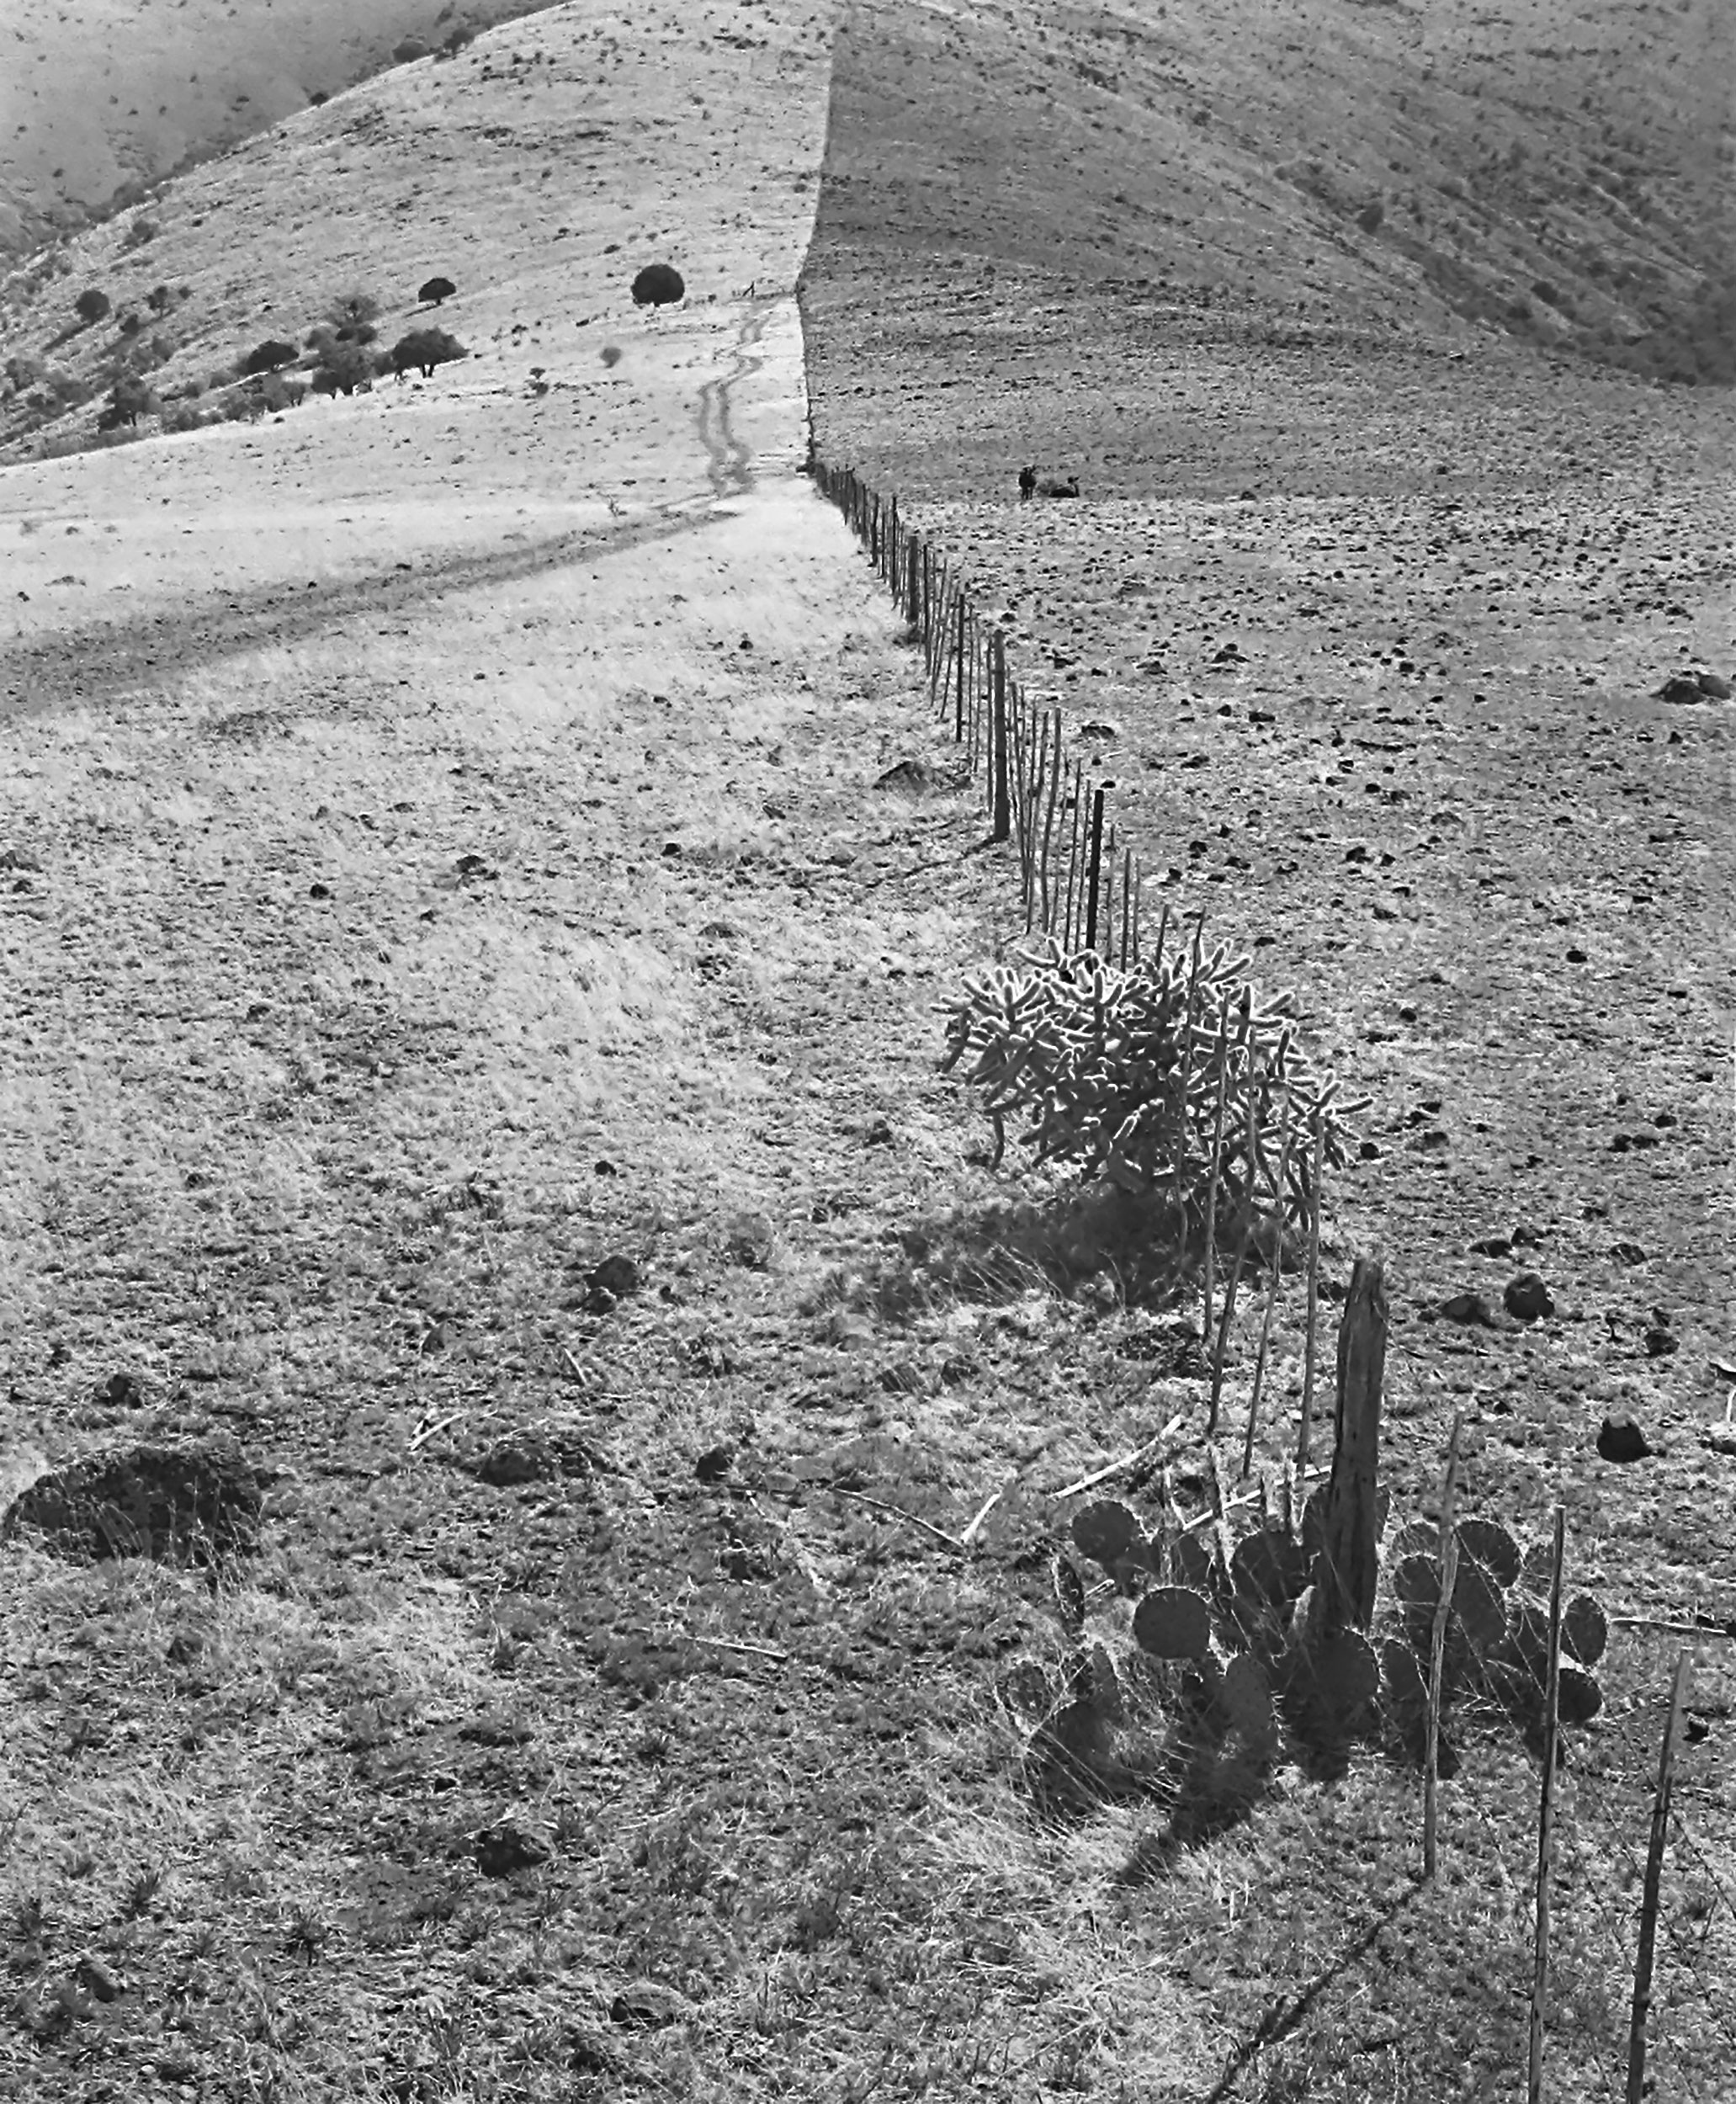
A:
(1027, 483)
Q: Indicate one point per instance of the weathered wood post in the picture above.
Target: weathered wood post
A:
(1096, 865)
(1002, 829)
(1350, 1562)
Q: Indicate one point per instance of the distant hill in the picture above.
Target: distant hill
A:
(1562, 170)
(99, 101)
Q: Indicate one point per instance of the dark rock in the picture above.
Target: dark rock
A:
(646, 2005)
(1628, 1253)
(193, 1503)
(878, 1134)
(715, 1462)
(1661, 1342)
(535, 1454)
(913, 778)
(1492, 1246)
(1528, 1298)
(506, 1847)
(1682, 689)
(122, 1391)
(95, 1976)
(1619, 1438)
(1713, 686)
(1468, 1308)
(609, 1282)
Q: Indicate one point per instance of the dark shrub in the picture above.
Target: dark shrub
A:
(459, 37)
(611, 354)
(1371, 215)
(424, 349)
(141, 231)
(158, 299)
(267, 356)
(131, 322)
(22, 371)
(342, 369)
(412, 47)
(435, 290)
(351, 310)
(91, 305)
(129, 399)
(658, 285)
(278, 392)
(318, 99)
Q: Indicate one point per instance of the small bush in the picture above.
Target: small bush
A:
(409, 47)
(611, 354)
(158, 299)
(91, 305)
(435, 290)
(141, 231)
(318, 99)
(279, 392)
(267, 356)
(221, 377)
(128, 400)
(22, 371)
(184, 416)
(244, 407)
(459, 37)
(131, 322)
(1370, 217)
(351, 310)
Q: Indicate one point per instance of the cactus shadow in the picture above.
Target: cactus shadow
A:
(1085, 1238)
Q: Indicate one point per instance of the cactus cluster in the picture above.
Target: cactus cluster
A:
(1232, 1666)
(1165, 1076)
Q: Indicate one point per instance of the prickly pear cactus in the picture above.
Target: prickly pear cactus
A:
(1200, 1668)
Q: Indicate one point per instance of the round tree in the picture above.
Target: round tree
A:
(267, 356)
(658, 285)
(342, 369)
(435, 290)
(91, 305)
(424, 349)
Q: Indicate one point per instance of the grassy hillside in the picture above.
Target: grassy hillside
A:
(1563, 170)
(99, 103)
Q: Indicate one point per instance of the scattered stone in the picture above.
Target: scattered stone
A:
(534, 1453)
(1682, 689)
(1661, 1342)
(506, 1847)
(912, 778)
(715, 1462)
(1628, 1253)
(610, 1281)
(1493, 1246)
(193, 1503)
(1469, 1308)
(646, 2005)
(878, 1134)
(1619, 1438)
(1528, 1298)
(1714, 686)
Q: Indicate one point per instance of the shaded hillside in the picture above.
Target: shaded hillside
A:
(1559, 172)
(98, 104)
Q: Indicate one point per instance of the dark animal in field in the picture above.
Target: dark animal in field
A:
(1053, 488)
(1027, 483)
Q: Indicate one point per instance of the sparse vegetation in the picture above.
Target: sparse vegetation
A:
(268, 357)
(342, 369)
(435, 290)
(91, 305)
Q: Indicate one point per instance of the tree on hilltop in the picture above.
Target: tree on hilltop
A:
(658, 284)
(435, 290)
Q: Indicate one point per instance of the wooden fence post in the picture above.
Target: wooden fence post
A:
(1349, 1553)
(1097, 858)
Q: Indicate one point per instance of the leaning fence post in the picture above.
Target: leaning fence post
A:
(997, 673)
(1350, 1550)
(1654, 1880)
(1096, 856)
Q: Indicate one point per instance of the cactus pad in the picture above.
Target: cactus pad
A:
(1269, 1567)
(1491, 1547)
(1173, 1622)
(1481, 1612)
(1246, 1699)
(1106, 1532)
(1577, 1695)
(1190, 1562)
(1585, 1629)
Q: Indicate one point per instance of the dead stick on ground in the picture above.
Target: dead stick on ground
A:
(1127, 1461)
(1546, 1822)
(1437, 1651)
(753, 1650)
(897, 1512)
(1655, 1878)
(987, 1507)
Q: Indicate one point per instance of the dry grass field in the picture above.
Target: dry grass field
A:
(472, 954)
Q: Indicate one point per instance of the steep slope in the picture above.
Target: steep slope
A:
(99, 103)
(1561, 169)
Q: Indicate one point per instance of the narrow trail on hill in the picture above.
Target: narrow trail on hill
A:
(728, 458)
(102, 659)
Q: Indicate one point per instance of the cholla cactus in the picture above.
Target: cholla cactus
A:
(1165, 1077)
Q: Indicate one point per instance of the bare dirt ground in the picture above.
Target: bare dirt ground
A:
(612, 1706)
